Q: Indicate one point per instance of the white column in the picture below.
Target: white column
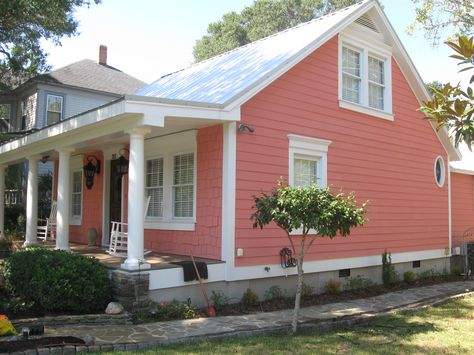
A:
(136, 194)
(32, 201)
(2, 201)
(62, 217)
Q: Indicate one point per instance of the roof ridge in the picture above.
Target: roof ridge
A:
(262, 39)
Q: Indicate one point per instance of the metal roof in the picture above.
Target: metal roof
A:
(220, 79)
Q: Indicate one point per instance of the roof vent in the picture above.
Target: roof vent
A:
(367, 22)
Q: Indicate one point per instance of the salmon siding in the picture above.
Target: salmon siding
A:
(390, 163)
(462, 187)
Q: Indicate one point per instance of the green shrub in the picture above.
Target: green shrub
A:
(409, 277)
(274, 293)
(428, 274)
(457, 271)
(55, 280)
(332, 286)
(389, 275)
(219, 299)
(306, 290)
(173, 310)
(358, 283)
(249, 298)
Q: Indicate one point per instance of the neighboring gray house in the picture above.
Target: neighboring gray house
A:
(49, 98)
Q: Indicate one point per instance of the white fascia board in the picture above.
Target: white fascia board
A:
(461, 171)
(250, 92)
(151, 107)
(414, 79)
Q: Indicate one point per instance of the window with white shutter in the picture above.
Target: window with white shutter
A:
(183, 185)
(154, 187)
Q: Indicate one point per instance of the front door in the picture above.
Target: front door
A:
(115, 193)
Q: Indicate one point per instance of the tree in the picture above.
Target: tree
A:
(23, 23)
(309, 209)
(451, 106)
(434, 17)
(263, 18)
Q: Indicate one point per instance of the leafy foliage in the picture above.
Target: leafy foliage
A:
(23, 24)
(307, 209)
(263, 18)
(409, 277)
(173, 310)
(249, 298)
(389, 274)
(55, 280)
(358, 283)
(332, 286)
(450, 106)
(436, 16)
(219, 299)
(274, 293)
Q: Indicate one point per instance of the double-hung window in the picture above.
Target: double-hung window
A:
(154, 187)
(365, 77)
(54, 109)
(183, 185)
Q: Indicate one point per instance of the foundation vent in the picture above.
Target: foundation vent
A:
(367, 22)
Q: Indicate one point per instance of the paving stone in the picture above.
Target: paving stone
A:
(42, 351)
(69, 349)
(82, 349)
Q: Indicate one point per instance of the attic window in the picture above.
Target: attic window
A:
(54, 109)
(367, 22)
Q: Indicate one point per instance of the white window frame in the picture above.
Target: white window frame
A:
(155, 187)
(309, 148)
(76, 165)
(168, 147)
(47, 110)
(173, 186)
(368, 47)
(443, 171)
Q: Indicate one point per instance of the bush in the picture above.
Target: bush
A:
(457, 271)
(389, 275)
(219, 299)
(55, 280)
(173, 310)
(249, 298)
(427, 274)
(409, 277)
(332, 286)
(274, 293)
(359, 283)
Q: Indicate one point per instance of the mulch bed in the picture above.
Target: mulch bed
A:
(21, 345)
(325, 298)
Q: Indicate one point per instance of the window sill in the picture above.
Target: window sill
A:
(173, 225)
(75, 221)
(366, 110)
(299, 231)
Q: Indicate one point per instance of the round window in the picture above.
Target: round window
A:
(439, 171)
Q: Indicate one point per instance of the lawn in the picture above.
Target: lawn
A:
(442, 329)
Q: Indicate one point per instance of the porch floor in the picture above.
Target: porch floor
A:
(156, 260)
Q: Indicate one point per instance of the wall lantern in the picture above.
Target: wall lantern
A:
(90, 169)
(122, 163)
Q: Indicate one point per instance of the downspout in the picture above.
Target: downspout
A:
(450, 227)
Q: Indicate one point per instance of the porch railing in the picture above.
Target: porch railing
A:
(13, 197)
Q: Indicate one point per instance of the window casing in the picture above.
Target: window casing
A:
(439, 171)
(365, 76)
(54, 109)
(76, 195)
(171, 181)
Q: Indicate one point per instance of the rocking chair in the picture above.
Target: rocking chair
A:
(46, 230)
(119, 235)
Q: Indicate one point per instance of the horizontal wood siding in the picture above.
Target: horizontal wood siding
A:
(462, 206)
(389, 163)
(205, 240)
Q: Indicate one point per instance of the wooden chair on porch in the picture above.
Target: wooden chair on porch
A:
(119, 235)
(47, 228)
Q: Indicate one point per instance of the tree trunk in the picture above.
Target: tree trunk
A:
(294, 324)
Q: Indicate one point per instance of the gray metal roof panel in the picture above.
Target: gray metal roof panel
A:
(223, 77)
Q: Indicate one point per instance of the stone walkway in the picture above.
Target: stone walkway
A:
(324, 317)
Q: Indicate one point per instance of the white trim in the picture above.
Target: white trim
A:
(61, 96)
(173, 277)
(461, 171)
(259, 271)
(75, 166)
(443, 171)
(365, 110)
(229, 171)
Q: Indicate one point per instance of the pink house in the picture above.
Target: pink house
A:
(332, 101)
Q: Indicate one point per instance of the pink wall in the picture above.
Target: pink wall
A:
(462, 205)
(389, 163)
(205, 241)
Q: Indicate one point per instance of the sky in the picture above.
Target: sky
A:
(151, 38)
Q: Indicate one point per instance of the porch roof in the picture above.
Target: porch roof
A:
(110, 122)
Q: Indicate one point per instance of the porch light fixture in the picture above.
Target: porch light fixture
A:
(90, 169)
(122, 163)
(243, 127)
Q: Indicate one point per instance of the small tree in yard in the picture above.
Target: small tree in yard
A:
(309, 209)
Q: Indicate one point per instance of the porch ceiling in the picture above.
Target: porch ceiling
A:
(108, 125)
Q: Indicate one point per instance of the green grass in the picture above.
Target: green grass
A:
(442, 329)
